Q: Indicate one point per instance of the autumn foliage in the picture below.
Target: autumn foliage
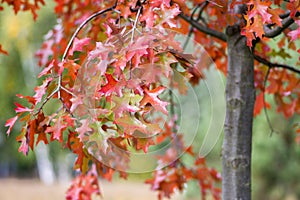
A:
(109, 78)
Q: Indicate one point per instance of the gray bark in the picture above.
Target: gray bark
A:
(240, 98)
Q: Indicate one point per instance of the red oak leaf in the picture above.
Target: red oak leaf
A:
(83, 129)
(31, 130)
(42, 137)
(24, 147)
(57, 129)
(151, 97)
(72, 68)
(260, 8)
(45, 52)
(277, 2)
(102, 52)
(10, 122)
(138, 49)
(131, 124)
(122, 105)
(76, 146)
(288, 109)
(275, 15)
(84, 186)
(293, 6)
(148, 16)
(41, 128)
(112, 28)
(295, 34)
(78, 45)
(112, 85)
(76, 101)
(46, 69)
(30, 99)
(20, 108)
(169, 14)
(257, 27)
(143, 143)
(41, 90)
(50, 47)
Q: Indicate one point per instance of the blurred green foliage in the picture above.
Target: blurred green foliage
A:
(21, 37)
(276, 159)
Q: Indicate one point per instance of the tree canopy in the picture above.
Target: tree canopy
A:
(111, 70)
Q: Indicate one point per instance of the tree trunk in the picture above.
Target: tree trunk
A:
(240, 98)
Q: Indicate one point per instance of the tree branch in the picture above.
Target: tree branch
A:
(275, 65)
(203, 29)
(81, 26)
(286, 22)
(202, 7)
(99, 13)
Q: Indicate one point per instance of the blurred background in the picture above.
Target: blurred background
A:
(46, 173)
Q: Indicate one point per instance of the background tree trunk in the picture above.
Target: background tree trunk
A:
(44, 164)
(240, 98)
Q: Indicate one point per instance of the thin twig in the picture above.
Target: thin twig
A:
(68, 91)
(135, 23)
(264, 102)
(45, 101)
(66, 108)
(132, 35)
(90, 18)
(194, 11)
(214, 3)
(202, 6)
(188, 38)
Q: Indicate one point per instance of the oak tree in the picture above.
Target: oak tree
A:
(109, 62)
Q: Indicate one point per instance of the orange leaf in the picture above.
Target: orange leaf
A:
(259, 104)
(151, 97)
(3, 51)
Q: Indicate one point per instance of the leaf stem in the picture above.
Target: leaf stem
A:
(46, 100)
(90, 18)
(264, 102)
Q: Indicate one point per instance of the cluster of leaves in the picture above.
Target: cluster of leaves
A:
(84, 186)
(262, 21)
(24, 5)
(109, 82)
(173, 174)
